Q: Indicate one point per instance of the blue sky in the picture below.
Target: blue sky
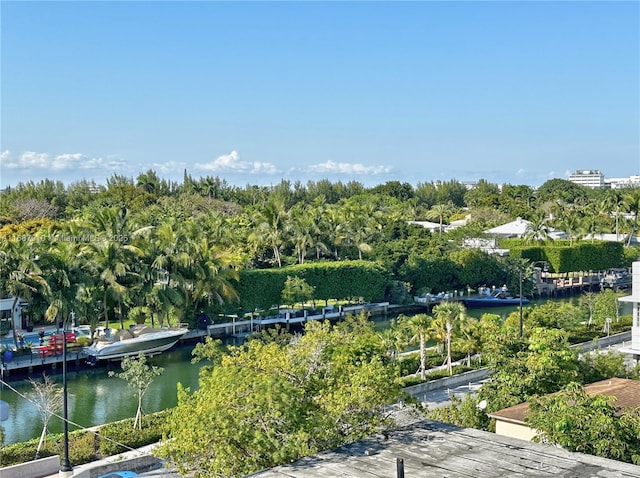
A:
(511, 92)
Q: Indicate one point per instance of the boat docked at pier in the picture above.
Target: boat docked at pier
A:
(138, 338)
(499, 298)
(618, 278)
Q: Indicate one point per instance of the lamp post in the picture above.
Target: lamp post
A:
(66, 469)
(521, 319)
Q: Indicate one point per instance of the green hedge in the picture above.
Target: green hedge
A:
(561, 257)
(114, 435)
(343, 280)
(86, 446)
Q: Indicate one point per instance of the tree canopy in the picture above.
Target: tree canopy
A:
(270, 401)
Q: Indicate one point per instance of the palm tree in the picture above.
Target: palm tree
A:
(170, 256)
(303, 228)
(571, 224)
(438, 332)
(20, 274)
(453, 313)
(110, 263)
(211, 275)
(537, 230)
(332, 224)
(419, 325)
(631, 201)
(271, 223)
(360, 224)
(439, 212)
(65, 275)
(468, 341)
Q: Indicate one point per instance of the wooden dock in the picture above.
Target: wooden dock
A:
(240, 327)
(37, 361)
(49, 357)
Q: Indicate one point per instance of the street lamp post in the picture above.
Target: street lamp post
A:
(521, 320)
(66, 469)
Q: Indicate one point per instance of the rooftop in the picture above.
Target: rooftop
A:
(626, 391)
(433, 449)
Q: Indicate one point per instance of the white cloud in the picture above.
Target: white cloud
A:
(169, 167)
(348, 168)
(521, 172)
(231, 163)
(61, 162)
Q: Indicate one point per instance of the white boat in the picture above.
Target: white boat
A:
(618, 278)
(139, 338)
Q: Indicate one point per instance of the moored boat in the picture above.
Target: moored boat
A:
(619, 278)
(138, 338)
(497, 299)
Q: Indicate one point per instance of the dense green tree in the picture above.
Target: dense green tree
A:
(477, 268)
(538, 364)
(20, 273)
(631, 201)
(296, 290)
(395, 189)
(484, 194)
(466, 412)
(586, 423)
(267, 403)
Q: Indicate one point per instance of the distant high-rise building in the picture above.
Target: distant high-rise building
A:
(591, 178)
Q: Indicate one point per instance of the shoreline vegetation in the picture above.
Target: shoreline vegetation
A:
(113, 438)
(168, 253)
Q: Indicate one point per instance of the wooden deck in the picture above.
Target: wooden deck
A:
(40, 361)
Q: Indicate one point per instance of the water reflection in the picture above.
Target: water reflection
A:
(96, 398)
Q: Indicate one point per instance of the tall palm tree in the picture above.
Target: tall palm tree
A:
(453, 313)
(20, 274)
(110, 261)
(469, 339)
(211, 275)
(331, 224)
(360, 224)
(419, 325)
(537, 230)
(65, 275)
(271, 223)
(303, 229)
(631, 201)
(439, 212)
(171, 255)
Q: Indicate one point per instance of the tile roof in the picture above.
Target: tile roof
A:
(626, 391)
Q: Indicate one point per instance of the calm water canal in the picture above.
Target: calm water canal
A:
(95, 398)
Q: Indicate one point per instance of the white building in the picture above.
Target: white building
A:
(620, 183)
(591, 178)
(634, 299)
(15, 315)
